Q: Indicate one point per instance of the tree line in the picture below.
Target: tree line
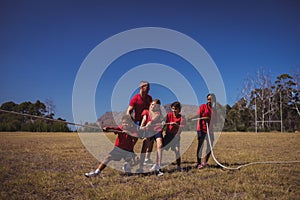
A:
(15, 122)
(265, 105)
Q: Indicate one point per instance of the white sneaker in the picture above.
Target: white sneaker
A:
(126, 167)
(159, 173)
(91, 174)
(154, 167)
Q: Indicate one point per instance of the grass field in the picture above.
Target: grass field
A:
(51, 166)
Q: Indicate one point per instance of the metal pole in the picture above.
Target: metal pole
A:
(255, 116)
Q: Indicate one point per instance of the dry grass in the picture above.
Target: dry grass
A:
(51, 166)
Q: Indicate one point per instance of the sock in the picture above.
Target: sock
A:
(97, 171)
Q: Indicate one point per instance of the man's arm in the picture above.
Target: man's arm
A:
(129, 111)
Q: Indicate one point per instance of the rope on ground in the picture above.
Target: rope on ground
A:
(245, 165)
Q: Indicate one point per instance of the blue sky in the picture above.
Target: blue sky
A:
(43, 44)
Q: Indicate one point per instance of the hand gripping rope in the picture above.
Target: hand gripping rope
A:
(245, 165)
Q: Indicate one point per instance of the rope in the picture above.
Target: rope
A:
(49, 119)
(60, 121)
(195, 119)
(245, 165)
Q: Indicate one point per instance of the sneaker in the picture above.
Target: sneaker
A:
(205, 164)
(91, 174)
(159, 173)
(148, 162)
(179, 169)
(126, 167)
(200, 166)
(154, 168)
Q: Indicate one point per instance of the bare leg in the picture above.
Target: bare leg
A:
(178, 158)
(149, 148)
(143, 152)
(103, 164)
(159, 151)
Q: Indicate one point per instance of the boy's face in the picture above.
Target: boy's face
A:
(125, 124)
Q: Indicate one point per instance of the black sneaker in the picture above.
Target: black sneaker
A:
(159, 173)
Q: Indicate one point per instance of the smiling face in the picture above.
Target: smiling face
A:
(154, 106)
(127, 122)
(211, 99)
(175, 110)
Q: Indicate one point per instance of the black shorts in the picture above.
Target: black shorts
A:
(171, 141)
(150, 134)
(157, 135)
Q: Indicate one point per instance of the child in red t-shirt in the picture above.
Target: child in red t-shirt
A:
(151, 124)
(124, 145)
(175, 122)
(206, 115)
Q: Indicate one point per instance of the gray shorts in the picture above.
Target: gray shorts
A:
(117, 154)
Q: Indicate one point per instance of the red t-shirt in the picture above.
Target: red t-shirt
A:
(124, 140)
(179, 119)
(139, 104)
(204, 111)
(155, 124)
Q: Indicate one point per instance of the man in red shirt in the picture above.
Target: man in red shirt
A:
(138, 104)
(124, 145)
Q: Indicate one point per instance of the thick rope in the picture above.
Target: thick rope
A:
(245, 165)
(61, 121)
(49, 119)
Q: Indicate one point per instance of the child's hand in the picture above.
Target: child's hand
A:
(174, 124)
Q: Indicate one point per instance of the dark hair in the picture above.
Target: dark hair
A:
(176, 104)
(213, 96)
(213, 99)
(157, 101)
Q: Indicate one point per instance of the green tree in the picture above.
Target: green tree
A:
(34, 123)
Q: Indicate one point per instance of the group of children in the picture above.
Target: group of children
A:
(149, 124)
(151, 129)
